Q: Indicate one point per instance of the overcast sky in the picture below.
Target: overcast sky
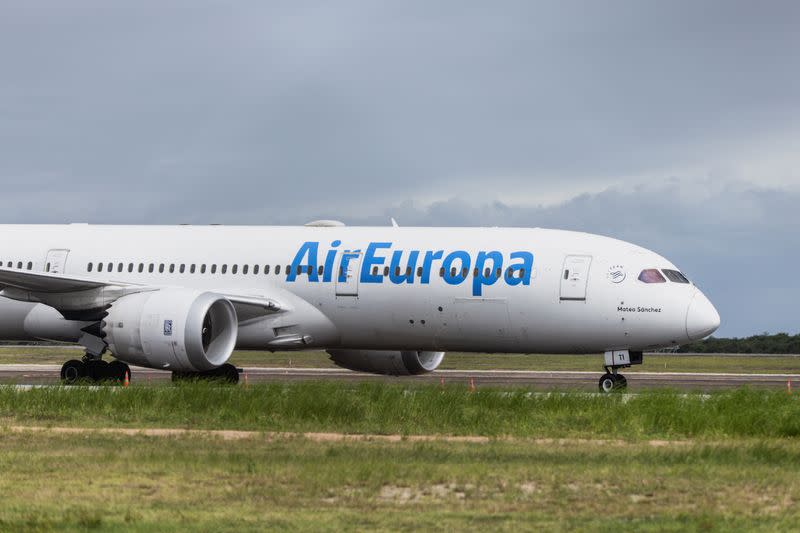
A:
(675, 125)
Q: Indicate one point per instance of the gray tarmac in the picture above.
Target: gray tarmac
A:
(25, 374)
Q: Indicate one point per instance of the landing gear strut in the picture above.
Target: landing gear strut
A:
(94, 369)
(612, 381)
(227, 373)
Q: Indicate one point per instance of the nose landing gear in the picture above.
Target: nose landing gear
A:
(612, 381)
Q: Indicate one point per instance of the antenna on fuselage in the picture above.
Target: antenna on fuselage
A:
(394, 223)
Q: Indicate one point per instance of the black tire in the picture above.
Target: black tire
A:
(117, 371)
(96, 370)
(228, 373)
(72, 371)
(607, 383)
(622, 382)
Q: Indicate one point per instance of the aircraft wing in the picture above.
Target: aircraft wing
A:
(45, 282)
(42, 284)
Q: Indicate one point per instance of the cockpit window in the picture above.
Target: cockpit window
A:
(651, 275)
(675, 276)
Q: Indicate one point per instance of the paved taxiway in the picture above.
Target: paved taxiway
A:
(564, 380)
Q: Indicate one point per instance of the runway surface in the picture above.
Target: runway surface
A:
(544, 380)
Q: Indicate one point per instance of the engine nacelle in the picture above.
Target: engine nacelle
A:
(174, 329)
(402, 363)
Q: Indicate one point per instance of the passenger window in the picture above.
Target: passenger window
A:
(487, 272)
(110, 267)
(299, 270)
(310, 269)
(289, 269)
(441, 272)
(675, 276)
(651, 275)
(30, 265)
(321, 270)
(234, 269)
(172, 268)
(452, 272)
(130, 267)
(151, 268)
(245, 269)
(141, 267)
(385, 271)
(89, 267)
(374, 271)
(409, 270)
(213, 269)
(182, 268)
(120, 267)
(464, 272)
(419, 272)
(255, 269)
(224, 269)
(266, 269)
(99, 267)
(192, 268)
(161, 268)
(566, 274)
(203, 268)
(396, 271)
(277, 269)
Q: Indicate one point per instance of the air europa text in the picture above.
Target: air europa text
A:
(457, 265)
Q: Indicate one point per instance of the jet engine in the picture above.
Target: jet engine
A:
(401, 363)
(172, 329)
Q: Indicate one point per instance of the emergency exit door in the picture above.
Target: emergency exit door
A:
(347, 275)
(56, 261)
(574, 278)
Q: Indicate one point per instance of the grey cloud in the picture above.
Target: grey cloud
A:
(265, 112)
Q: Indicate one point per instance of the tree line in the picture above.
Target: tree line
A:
(778, 343)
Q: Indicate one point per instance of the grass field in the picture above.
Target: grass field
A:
(109, 483)
(778, 364)
(658, 461)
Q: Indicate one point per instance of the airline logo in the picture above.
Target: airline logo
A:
(409, 266)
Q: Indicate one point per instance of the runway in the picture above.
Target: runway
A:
(25, 374)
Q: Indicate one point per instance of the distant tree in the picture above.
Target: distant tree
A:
(779, 343)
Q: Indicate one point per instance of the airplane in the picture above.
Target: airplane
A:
(386, 300)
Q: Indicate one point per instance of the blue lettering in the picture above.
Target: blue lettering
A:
(370, 260)
(307, 249)
(397, 274)
(457, 276)
(521, 272)
(427, 263)
(485, 275)
(327, 276)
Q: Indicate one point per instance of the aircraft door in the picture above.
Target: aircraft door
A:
(574, 278)
(347, 274)
(56, 261)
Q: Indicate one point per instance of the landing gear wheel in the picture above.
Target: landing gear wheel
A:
(72, 371)
(228, 373)
(96, 370)
(612, 382)
(118, 371)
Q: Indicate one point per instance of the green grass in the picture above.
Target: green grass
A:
(100, 482)
(777, 364)
(394, 409)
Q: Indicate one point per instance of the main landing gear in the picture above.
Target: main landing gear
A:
(95, 370)
(226, 373)
(612, 381)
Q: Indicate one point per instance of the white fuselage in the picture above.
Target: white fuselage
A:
(567, 292)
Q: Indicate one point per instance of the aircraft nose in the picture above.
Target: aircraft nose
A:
(702, 318)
